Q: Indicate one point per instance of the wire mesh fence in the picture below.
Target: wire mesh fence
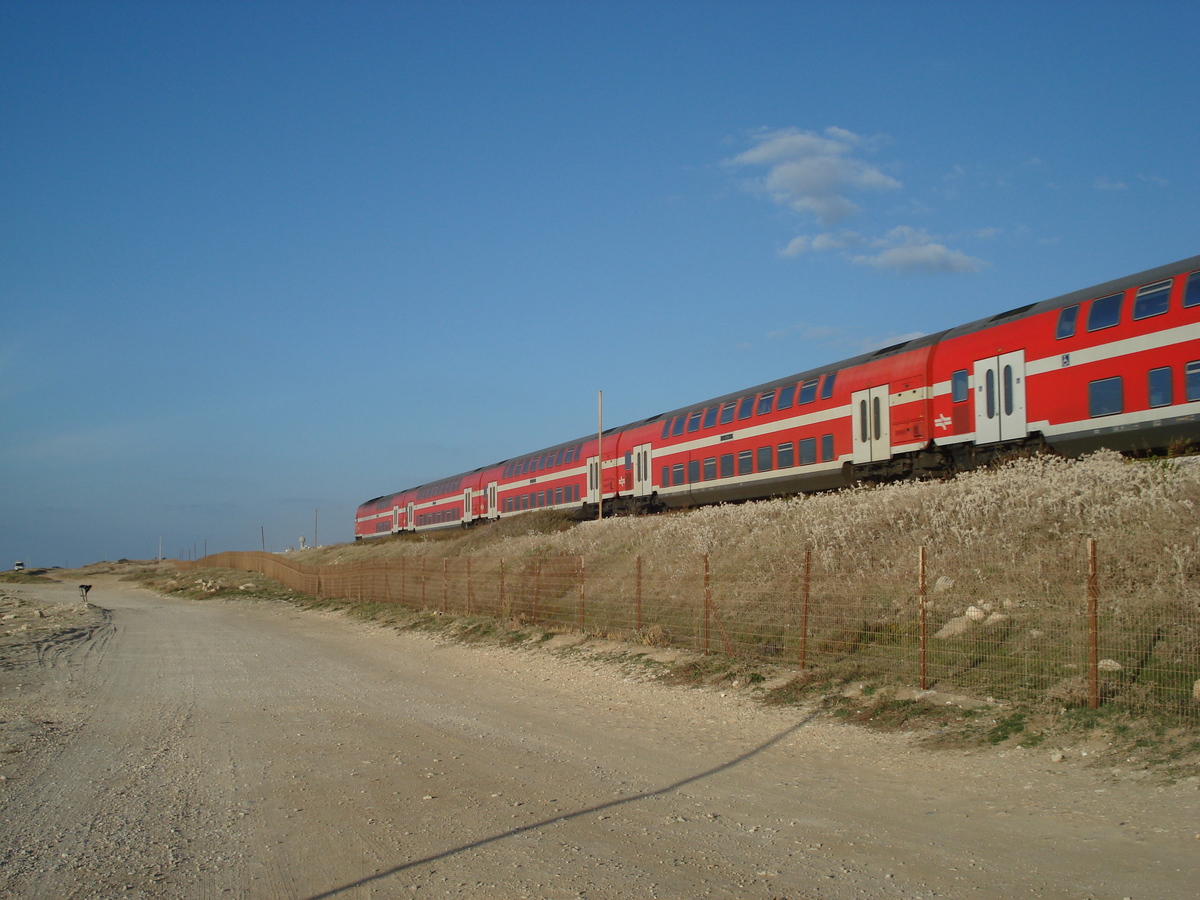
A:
(1072, 628)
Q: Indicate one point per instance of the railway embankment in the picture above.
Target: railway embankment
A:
(997, 607)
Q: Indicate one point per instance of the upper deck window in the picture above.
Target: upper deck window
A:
(677, 430)
(808, 391)
(1105, 312)
(727, 412)
(746, 407)
(827, 386)
(694, 421)
(1191, 294)
(766, 401)
(710, 416)
(1152, 300)
(786, 394)
(1067, 317)
(667, 429)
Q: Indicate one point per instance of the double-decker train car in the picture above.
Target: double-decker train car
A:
(1116, 365)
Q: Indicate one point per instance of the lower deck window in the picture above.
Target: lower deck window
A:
(808, 451)
(785, 455)
(1105, 397)
(766, 459)
(1160, 386)
(1192, 376)
(745, 462)
(727, 465)
(710, 469)
(826, 447)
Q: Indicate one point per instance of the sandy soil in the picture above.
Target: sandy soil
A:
(155, 747)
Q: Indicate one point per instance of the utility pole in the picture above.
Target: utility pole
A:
(599, 455)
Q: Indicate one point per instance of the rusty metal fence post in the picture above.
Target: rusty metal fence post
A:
(707, 604)
(1093, 602)
(504, 610)
(638, 595)
(921, 594)
(579, 623)
(804, 594)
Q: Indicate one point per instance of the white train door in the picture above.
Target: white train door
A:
(1000, 398)
(492, 509)
(593, 494)
(412, 521)
(467, 505)
(872, 424)
(643, 483)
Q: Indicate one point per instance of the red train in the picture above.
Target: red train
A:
(1116, 365)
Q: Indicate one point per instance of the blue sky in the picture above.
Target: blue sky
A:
(262, 259)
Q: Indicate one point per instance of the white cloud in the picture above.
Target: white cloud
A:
(817, 175)
(1104, 183)
(813, 173)
(912, 249)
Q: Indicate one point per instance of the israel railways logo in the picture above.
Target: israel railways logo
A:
(1066, 360)
(942, 421)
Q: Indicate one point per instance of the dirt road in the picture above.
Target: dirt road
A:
(174, 749)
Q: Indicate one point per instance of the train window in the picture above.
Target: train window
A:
(1191, 375)
(694, 421)
(1067, 317)
(558, 496)
(746, 407)
(541, 498)
(1160, 386)
(569, 456)
(710, 416)
(710, 469)
(745, 462)
(677, 474)
(727, 412)
(827, 386)
(808, 451)
(959, 388)
(693, 471)
(558, 458)
(785, 455)
(766, 401)
(628, 460)
(766, 458)
(808, 392)
(1105, 312)
(666, 476)
(1191, 294)
(726, 465)
(667, 429)
(1152, 300)
(864, 429)
(677, 428)
(826, 447)
(1105, 397)
(786, 394)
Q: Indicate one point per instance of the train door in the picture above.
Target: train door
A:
(395, 519)
(412, 522)
(1000, 398)
(593, 492)
(467, 516)
(492, 510)
(643, 483)
(872, 424)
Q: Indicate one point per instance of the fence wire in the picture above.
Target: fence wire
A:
(1067, 629)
